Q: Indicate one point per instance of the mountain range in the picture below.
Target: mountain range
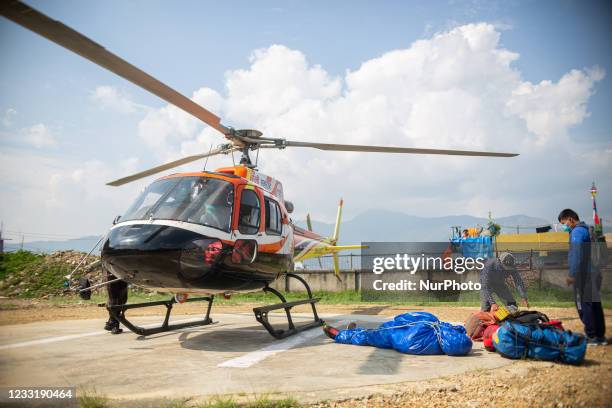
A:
(392, 226)
(372, 225)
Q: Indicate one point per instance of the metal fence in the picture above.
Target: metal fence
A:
(347, 262)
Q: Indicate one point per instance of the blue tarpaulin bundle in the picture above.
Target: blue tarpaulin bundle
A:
(475, 247)
(412, 333)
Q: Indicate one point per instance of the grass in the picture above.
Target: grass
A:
(265, 402)
(537, 298)
(91, 399)
(13, 262)
(546, 297)
(40, 278)
(260, 401)
(36, 277)
(137, 296)
(220, 402)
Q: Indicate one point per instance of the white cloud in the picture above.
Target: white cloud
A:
(38, 136)
(458, 89)
(163, 130)
(109, 97)
(7, 118)
(61, 194)
(278, 81)
(548, 108)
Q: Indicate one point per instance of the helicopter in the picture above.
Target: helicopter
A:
(206, 232)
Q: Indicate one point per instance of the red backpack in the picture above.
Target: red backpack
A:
(487, 337)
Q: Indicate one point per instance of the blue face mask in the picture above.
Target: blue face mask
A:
(565, 228)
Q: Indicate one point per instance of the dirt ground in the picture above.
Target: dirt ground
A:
(522, 384)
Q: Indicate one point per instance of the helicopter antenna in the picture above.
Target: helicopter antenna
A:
(206, 162)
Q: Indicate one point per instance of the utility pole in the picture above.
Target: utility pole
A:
(2, 239)
(597, 224)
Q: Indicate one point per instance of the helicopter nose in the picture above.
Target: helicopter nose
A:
(160, 255)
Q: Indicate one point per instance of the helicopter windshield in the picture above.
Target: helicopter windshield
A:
(200, 200)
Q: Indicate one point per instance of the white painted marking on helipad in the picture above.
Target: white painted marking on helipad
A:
(249, 359)
(48, 340)
(51, 340)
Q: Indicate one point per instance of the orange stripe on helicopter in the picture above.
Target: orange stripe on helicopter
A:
(200, 174)
(272, 248)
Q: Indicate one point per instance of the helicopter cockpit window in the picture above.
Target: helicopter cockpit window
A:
(249, 212)
(273, 217)
(148, 198)
(199, 200)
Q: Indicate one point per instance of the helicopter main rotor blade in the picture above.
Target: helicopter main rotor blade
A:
(390, 149)
(74, 41)
(170, 165)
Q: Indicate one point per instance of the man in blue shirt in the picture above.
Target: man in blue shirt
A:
(582, 277)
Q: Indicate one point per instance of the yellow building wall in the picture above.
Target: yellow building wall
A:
(547, 241)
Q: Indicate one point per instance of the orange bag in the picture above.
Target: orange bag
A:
(476, 324)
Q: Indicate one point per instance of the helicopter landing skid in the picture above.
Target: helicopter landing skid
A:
(118, 312)
(261, 313)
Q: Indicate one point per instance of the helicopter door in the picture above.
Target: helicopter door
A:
(279, 235)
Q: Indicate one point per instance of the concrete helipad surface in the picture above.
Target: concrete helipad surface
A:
(234, 356)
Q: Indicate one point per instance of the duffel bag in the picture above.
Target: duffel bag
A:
(528, 317)
(539, 342)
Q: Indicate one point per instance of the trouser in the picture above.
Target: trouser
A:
(500, 290)
(592, 316)
(117, 291)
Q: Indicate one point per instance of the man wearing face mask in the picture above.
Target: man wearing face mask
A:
(582, 277)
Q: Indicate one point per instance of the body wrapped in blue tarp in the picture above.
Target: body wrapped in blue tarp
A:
(412, 333)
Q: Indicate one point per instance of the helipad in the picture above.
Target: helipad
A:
(233, 356)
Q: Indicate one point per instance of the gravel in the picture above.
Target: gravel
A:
(522, 384)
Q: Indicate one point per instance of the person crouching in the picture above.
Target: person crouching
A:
(493, 281)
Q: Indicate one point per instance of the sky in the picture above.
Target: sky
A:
(529, 77)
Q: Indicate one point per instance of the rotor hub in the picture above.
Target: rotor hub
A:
(250, 133)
